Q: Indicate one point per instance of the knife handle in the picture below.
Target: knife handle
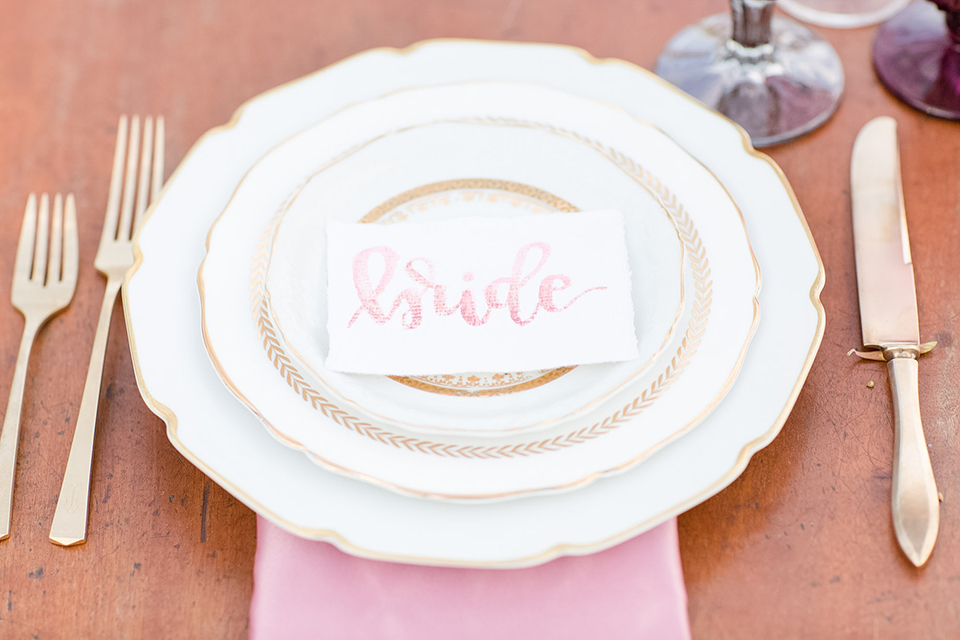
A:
(916, 507)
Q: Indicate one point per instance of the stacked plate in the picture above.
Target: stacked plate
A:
(484, 469)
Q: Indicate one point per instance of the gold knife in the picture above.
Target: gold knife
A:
(891, 332)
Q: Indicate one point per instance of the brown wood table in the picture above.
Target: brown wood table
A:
(800, 546)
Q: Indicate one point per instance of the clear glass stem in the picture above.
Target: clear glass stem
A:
(772, 76)
(751, 22)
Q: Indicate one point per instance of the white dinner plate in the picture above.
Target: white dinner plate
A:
(363, 156)
(221, 437)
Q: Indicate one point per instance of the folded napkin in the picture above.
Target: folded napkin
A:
(479, 294)
(307, 589)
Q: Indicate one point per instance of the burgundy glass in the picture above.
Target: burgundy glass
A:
(917, 57)
(774, 77)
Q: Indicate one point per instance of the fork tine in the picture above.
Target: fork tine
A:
(21, 270)
(56, 240)
(157, 161)
(40, 248)
(116, 180)
(71, 243)
(143, 186)
(126, 209)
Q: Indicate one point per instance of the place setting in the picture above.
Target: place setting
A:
(469, 315)
(448, 422)
(483, 305)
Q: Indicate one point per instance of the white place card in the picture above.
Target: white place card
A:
(479, 294)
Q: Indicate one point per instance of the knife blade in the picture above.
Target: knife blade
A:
(890, 326)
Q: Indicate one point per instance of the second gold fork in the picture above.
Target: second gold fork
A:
(114, 258)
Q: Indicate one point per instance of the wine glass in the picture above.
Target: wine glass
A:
(774, 77)
(842, 14)
(917, 56)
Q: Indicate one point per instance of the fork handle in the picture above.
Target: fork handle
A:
(11, 426)
(70, 520)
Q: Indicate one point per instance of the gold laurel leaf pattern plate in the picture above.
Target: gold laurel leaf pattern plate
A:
(503, 421)
(374, 398)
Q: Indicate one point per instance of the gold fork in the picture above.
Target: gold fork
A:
(114, 258)
(44, 279)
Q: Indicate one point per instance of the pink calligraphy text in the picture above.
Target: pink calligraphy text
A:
(505, 292)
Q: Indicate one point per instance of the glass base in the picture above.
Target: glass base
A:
(776, 91)
(919, 62)
(842, 14)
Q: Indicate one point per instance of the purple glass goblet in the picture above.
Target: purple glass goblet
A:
(917, 57)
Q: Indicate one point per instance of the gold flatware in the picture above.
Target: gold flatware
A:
(44, 279)
(114, 258)
(891, 332)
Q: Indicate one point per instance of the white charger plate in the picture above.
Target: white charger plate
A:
(218, 434)
(580, 150)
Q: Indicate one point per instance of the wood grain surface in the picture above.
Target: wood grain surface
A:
(801, 546)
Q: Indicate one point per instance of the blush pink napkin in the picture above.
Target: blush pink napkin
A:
(305, 589)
